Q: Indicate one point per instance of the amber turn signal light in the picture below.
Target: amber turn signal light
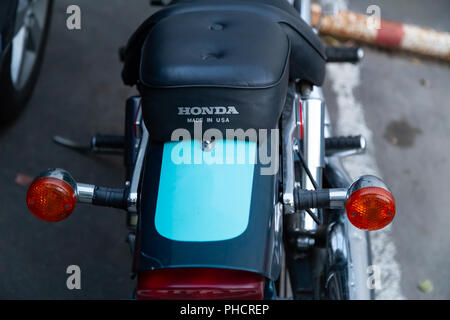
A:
(370, 205)
(52, 196)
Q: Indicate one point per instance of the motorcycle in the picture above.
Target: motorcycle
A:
(234, 187)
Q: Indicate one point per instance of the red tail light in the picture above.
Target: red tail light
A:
(199, 283)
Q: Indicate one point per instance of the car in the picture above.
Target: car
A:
(24, 27)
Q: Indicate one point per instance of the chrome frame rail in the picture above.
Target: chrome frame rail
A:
(289, 132)
(356, 247)
(133, 196)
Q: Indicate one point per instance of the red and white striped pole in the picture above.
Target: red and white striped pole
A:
(355, 26)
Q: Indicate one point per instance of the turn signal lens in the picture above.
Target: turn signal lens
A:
(51, 199)
(370, 208)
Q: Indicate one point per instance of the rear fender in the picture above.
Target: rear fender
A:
(208, 215)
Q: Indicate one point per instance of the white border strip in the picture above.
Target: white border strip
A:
(345, 78)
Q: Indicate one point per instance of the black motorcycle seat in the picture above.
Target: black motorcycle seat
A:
(226, 69)
(307, 55)
(214, 49)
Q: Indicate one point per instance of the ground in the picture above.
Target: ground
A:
(404, 102)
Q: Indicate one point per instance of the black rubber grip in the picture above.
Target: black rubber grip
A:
(110, 197)
(337, 54)
(307, 199)
(343, 143)
(108, 141)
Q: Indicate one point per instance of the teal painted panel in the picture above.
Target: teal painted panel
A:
(204, 200)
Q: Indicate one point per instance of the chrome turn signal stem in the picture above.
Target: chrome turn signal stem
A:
(318, 199)
(368, 203)
(102, 196)
(85, 192)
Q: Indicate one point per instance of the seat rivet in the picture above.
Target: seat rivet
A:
(216, 27)
(208, 145)
(207, 56)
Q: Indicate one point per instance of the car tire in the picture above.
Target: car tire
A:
(16, 91)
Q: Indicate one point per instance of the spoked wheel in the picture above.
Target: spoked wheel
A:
(22, 62)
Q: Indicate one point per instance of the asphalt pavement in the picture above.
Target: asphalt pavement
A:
(80, 93)
(405, 101)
